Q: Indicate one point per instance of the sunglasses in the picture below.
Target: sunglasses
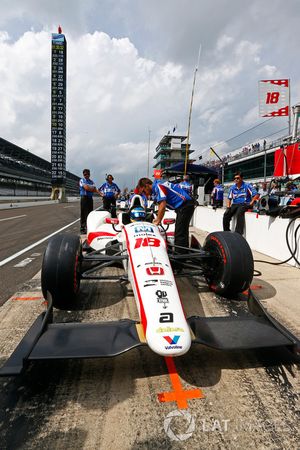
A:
(237, 178)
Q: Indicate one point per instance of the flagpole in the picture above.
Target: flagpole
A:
(190, 114)
(222, 164)
(290, 128)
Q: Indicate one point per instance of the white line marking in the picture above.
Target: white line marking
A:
(10, 258)
(24, 262)
(15, 217)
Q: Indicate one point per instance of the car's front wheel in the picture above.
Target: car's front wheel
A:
(61, 270)
(229, 270)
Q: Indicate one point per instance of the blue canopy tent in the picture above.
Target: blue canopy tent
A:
(199, 175)
(192, 169)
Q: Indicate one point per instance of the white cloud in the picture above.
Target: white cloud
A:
(4, 36)
(113, 95)
(250, 117)
(223, 42)
(138, 73)
(268, 71)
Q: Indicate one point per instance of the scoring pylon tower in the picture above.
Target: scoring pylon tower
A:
(58, 115)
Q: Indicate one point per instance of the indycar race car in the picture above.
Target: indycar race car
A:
(151, 263)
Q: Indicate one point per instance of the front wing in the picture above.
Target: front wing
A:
(46, 340)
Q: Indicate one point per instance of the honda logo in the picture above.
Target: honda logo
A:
(155, 270)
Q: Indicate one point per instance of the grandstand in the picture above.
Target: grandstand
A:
(24, 174)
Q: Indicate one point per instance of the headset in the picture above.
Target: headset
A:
(109, 175)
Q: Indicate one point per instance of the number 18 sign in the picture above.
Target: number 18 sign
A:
(274, 98)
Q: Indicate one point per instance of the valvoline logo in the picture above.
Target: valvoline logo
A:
(171, 341)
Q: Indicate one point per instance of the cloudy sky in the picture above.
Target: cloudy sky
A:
(130, 69)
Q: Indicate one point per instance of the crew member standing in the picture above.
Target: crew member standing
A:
(186, 185)
(109, 191)
(170, 195)
(241, 197)
(86, 189)
(217, 194)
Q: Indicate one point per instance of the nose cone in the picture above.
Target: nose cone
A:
(166, 342)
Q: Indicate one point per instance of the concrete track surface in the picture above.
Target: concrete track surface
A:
(251, 398)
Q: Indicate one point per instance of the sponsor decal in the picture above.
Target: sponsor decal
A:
(154, 270)
(173, 347)
(162, 298)
(164, 302)
(166, 283)
(172, 341)
(161, 294)
(143, 229)
(166, 317)
(147, 242)
(169, 330)
(150, 283)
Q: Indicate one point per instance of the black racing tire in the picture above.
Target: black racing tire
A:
(230, 268)
(61, 270)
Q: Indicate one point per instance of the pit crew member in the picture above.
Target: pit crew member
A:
(109, 191)
(170, 195)
(217, 194)
(186, 185)
(86, 189)
(241, 197)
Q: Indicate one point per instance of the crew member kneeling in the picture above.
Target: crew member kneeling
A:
(241, 197)
(170, 195)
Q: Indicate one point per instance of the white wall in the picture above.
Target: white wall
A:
(264, 234)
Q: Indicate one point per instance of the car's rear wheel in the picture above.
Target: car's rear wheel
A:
(61, 270)
(229, 271)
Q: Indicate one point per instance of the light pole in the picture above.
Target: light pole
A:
(265, 166)
(149, 133)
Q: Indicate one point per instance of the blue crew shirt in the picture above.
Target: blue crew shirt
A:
(109, 190)
(82, 191)
(218, 192)
(171, 193)
(187, 187)
(242, 195)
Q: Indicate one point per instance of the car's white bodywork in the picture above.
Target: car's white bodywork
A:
(151, 276)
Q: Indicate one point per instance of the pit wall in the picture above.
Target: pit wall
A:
(263, 233)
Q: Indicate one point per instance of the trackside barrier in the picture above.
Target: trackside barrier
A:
(22, 202)
(264, 234)
(26, 204)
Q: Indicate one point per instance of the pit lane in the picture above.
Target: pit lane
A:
(251, 398)
(23, 228)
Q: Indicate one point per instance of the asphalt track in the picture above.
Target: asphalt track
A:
(22, 229)
(249, 399)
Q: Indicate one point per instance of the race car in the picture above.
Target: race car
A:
(151, 262)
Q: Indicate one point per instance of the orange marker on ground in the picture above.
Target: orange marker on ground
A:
(179, 394)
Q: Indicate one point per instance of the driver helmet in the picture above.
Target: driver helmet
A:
(137, 213)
